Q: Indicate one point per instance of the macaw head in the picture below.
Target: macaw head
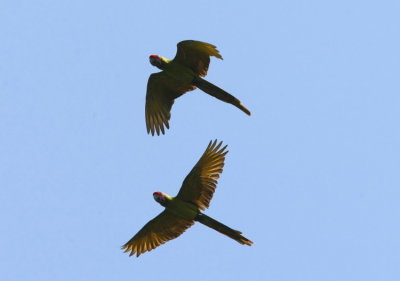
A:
(160, 197)
(157, 61)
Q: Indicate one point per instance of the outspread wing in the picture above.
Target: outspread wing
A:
(199, 185)
(161, 92)
(196, 55)
(159, 230)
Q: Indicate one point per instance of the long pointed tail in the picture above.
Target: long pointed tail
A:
(234, 234)
(218, 93)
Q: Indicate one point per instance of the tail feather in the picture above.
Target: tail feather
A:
(218, 93)
(234, 234)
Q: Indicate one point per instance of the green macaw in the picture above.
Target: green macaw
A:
(183, 210)
(178, 76)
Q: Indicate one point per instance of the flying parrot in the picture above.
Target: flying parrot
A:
(178, 76)
(184, 210)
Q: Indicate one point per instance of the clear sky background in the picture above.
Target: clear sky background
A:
(312, 177)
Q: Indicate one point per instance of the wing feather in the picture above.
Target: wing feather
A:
(196, 55)
(156, 232)
(161, 92)
(200, 184)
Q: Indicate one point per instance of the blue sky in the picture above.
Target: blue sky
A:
(312, 177)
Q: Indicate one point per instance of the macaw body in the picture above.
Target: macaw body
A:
(177, 207)
(183, 210)
(182, 74)
(178, 73)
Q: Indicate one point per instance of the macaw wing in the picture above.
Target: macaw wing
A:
(196, 55)
(199, 185)
(161, 92)
(159, 230)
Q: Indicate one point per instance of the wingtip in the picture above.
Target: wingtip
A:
(215, 143)
(126, 248)
(215, 146)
